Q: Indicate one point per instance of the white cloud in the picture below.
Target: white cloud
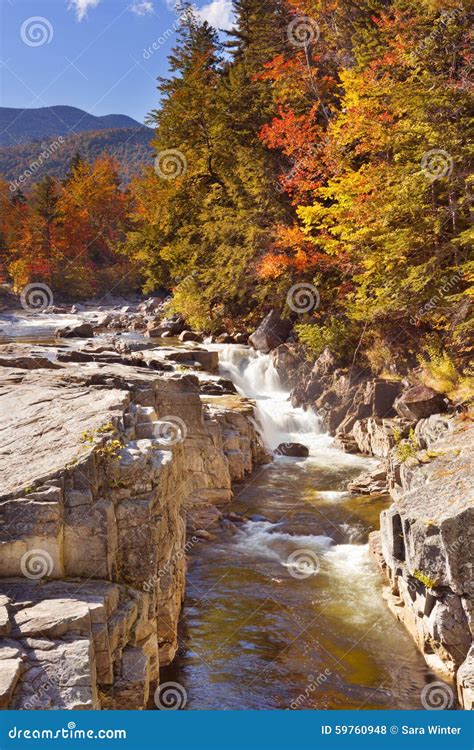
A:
(82, 6)
(142, 8)
(218, 13)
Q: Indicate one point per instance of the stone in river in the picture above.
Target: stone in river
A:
(190, 336)
(82, 331)
(293, 450)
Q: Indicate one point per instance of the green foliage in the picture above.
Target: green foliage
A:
(407, 448)
(440, 372)
(188, 300)
(216, 218)
(346, 160)
(378, 356)
(334, 335)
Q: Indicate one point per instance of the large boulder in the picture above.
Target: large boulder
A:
(380, 395)
(290, 363)
(191, 336)
(209, 361)
(167, 328)
(272, 332)
(420, 402)
(293, 450)
(82, 331)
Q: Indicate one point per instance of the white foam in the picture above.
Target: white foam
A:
(332, 496)
(262, 540)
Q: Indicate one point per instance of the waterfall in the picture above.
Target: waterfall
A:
(254, 376)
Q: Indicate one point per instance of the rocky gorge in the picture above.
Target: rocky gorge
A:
(102, 465)
(117, 456)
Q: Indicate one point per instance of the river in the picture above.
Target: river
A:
(287, 612)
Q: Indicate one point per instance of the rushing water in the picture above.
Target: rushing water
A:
(287, 612)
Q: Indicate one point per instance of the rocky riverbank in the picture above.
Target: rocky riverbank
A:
(426, 544)
(101, 466)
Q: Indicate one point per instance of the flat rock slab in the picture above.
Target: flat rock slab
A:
(42, 418)
(442, 487)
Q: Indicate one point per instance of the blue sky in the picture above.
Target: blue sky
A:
(100, 55)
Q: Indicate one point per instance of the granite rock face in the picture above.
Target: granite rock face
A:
(272, 332)
(100, 465)
(426, 548)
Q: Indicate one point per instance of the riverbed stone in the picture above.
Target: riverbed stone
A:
(81, 331)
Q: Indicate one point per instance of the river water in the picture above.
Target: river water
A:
(287, 612)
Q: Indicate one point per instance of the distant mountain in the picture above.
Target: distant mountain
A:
(129, 146)
(26, 125)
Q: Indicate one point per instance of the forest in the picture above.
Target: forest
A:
(316, 160)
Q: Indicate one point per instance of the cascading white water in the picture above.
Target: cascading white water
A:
(254, 376)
